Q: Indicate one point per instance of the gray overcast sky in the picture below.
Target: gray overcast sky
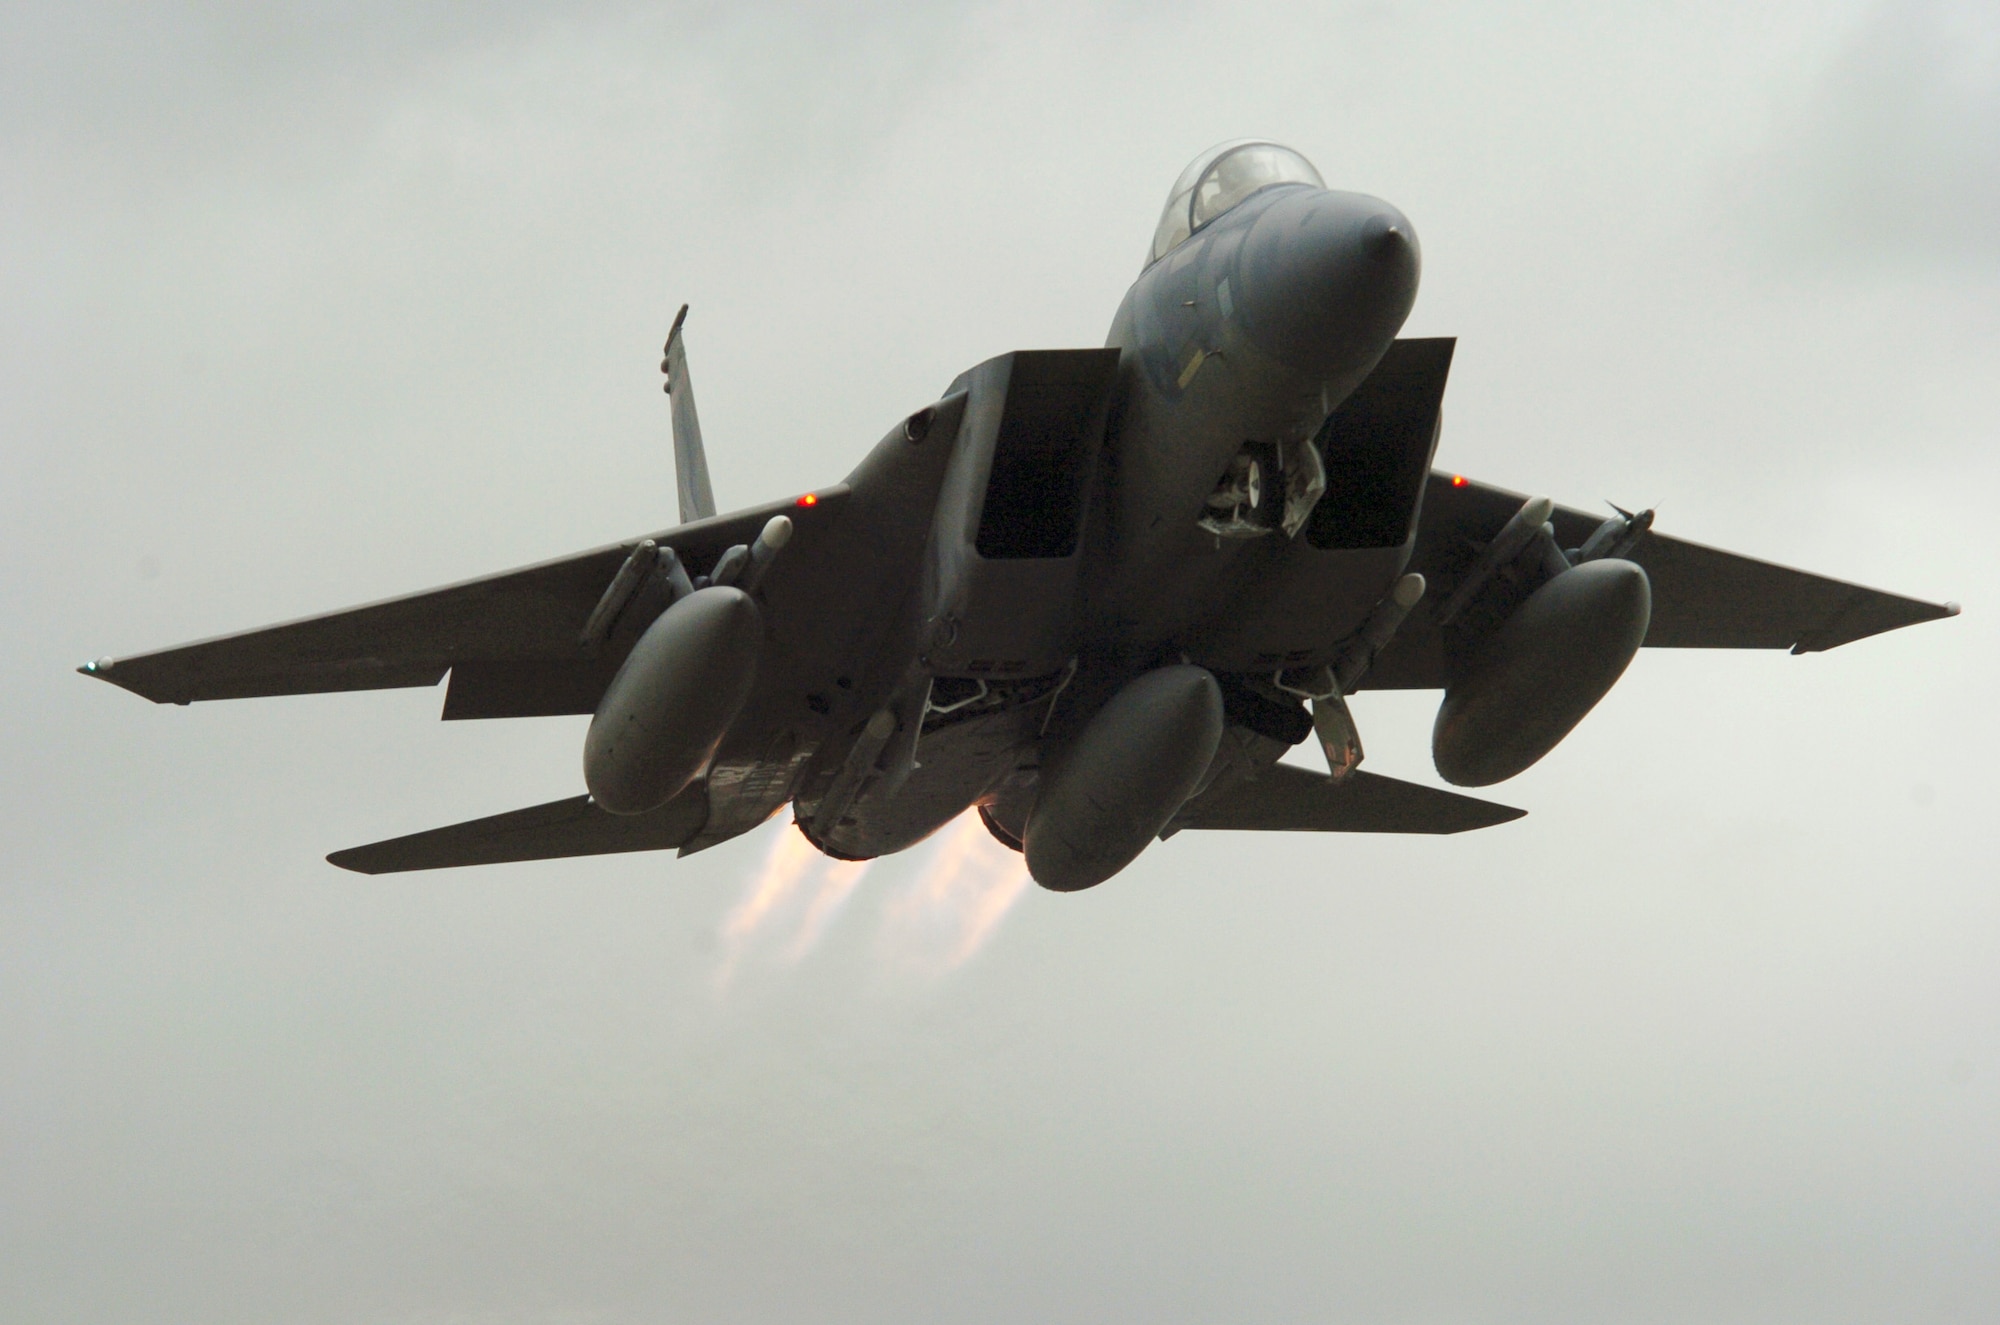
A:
(313, 304)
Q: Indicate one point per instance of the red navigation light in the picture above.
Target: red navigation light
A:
(810, 499)
(1458, 480)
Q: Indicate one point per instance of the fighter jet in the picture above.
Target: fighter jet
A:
(1095, 594)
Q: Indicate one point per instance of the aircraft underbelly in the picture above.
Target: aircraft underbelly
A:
(743, 793)
(1160, 572)
(1295, 610)
(958, 766)
(1279, 599)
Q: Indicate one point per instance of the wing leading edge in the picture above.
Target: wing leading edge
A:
(518, 631)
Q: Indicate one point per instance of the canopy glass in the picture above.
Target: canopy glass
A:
(1220, 178)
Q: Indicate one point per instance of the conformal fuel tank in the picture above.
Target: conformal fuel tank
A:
(670, 704)
(1544, 668)
(1113, 790)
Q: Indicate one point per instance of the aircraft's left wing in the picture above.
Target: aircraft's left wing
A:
(1703, 598)
(512, 640)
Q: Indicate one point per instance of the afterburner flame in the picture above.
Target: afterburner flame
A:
(790, 857)
(775, 900)
(936, 925)
(957, 903)
(835, 886)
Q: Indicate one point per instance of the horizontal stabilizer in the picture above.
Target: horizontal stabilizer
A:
(1284, 798)
(573, 827)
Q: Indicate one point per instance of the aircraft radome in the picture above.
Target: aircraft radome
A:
(1096, 593)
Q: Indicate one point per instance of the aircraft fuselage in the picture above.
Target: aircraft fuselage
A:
(1239, 342)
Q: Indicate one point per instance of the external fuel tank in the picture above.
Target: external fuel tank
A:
(1111, 790)
(671, 703)
(1546, 666)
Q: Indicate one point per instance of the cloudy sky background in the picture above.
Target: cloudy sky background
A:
(309, 305)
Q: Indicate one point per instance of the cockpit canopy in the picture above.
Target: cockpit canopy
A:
(1220, 178)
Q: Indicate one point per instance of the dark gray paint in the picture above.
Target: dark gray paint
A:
(678, 693)
(1526, 685)
(1271, 332)
(1109, 790)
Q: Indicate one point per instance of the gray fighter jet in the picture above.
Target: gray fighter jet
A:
(1094, 593)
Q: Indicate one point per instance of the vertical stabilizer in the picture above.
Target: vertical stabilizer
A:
(690, 462)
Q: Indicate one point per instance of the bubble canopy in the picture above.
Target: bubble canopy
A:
(1220, 178)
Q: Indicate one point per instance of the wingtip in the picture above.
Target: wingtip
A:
(1493, 815)
(97, 667)
(1952, 609)
(348, 860)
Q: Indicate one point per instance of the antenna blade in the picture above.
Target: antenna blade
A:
(690, 461)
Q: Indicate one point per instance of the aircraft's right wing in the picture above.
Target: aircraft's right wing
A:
(1703, 597)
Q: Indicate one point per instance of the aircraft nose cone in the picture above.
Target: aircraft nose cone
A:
(1328, 280)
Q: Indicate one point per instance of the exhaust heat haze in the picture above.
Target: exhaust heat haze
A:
(965, 891)
(775, 896)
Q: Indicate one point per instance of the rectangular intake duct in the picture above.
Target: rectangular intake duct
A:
(1001, 579)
